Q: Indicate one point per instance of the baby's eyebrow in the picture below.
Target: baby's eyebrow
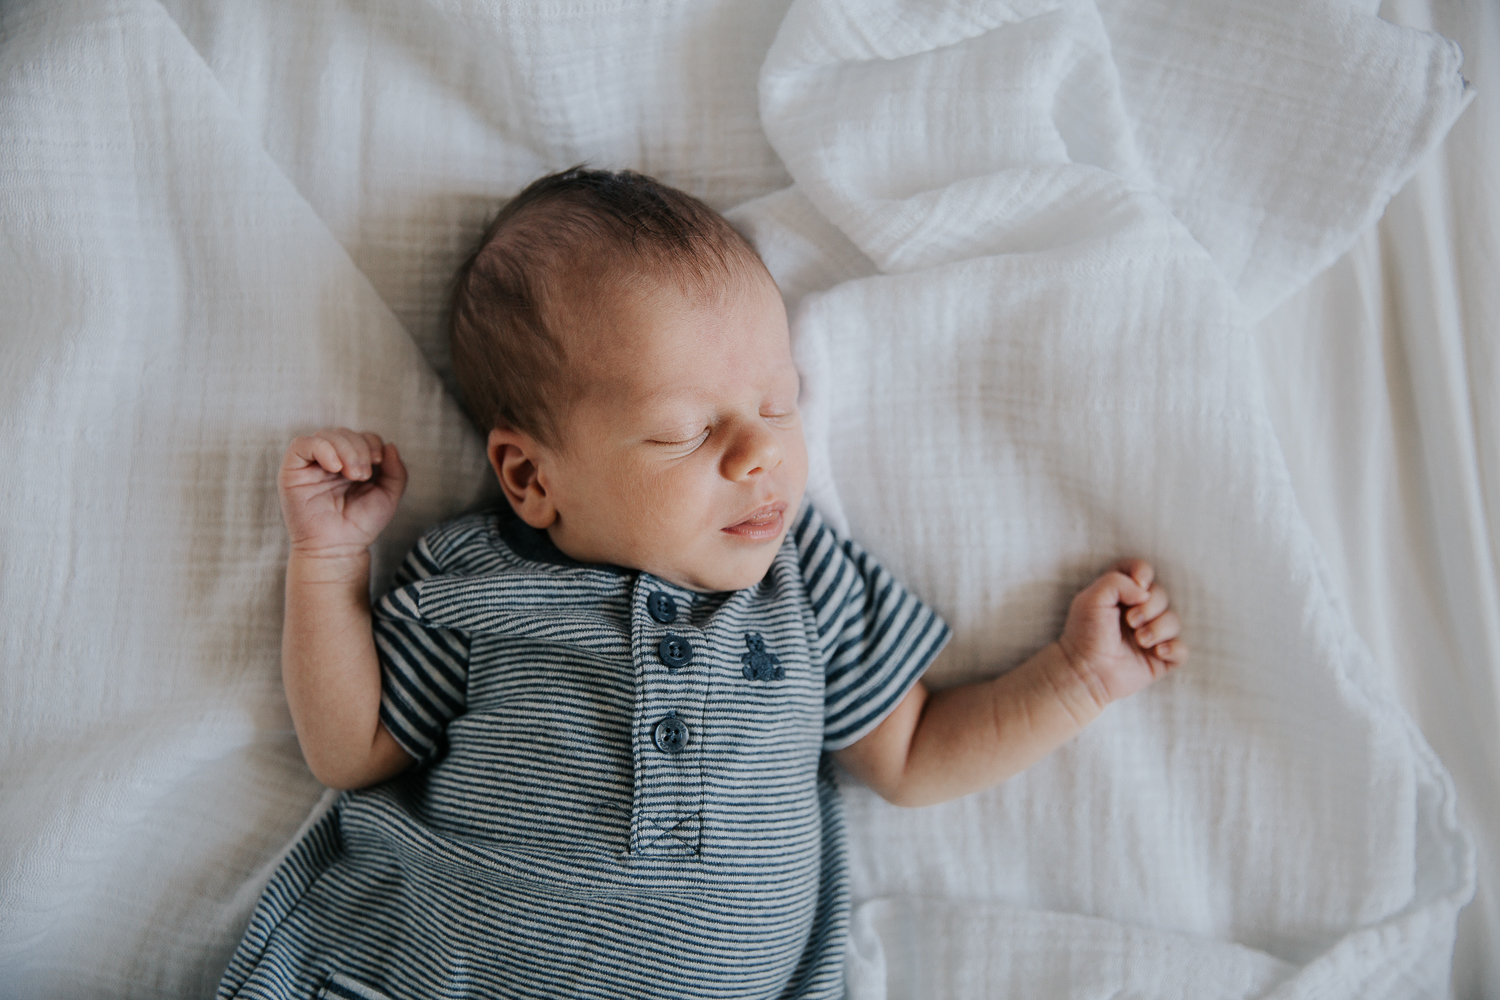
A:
(672, 394)
(667, 393)
(665, 411)
(667, 408)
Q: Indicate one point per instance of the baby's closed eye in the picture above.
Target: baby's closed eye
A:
(779, 408)
(683, 438)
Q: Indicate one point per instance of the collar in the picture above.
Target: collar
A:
(537, 546)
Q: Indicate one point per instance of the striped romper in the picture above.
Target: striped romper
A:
(623, 789)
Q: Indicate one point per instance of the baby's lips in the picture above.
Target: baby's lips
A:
(763, 522)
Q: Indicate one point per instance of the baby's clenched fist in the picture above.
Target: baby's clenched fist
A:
(339, 489)
(1121, 633)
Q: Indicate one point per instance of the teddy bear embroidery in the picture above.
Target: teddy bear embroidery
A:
(760, 665)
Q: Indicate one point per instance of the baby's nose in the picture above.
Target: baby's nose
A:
(755, 451)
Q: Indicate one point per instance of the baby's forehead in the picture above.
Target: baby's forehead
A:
(655, 338)
(631, 307)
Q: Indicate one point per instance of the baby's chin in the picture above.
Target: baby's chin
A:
(736, 568)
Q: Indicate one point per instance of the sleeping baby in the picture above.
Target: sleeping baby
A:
(589, 736)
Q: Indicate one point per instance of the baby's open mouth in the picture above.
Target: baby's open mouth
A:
(762, 523)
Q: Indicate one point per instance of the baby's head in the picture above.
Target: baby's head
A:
(627, 352)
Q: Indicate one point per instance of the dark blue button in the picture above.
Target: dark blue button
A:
(674, 651)
(661, 607)
(671, 735)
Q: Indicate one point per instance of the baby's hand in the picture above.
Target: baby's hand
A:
(339, 489)
(1120, 634)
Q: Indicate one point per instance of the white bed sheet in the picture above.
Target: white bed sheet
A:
(1383, 378)
(1425, 515)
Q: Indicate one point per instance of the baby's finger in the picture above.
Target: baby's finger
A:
(318, 451)
(1139, 570)
(377, 447)
(392, 472)
(1173, 653)
(1163, 629)
(353, 450)
(1154, 606)
(310, 450)
(1110, 591)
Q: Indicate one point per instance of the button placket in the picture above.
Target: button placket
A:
(672, 675)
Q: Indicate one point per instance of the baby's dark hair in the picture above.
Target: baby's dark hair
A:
(566, 241)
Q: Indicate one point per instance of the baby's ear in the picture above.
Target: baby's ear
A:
(515, 457)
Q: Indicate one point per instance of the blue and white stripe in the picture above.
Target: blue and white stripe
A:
(547, 847)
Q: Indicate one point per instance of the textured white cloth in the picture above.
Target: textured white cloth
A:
(1383, 389)
(218, 220)
(1090, 359)
(173, 313)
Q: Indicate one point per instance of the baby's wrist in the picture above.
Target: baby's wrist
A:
(330, 564)
(1074, 683)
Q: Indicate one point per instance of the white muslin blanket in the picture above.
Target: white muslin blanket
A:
(1051, 370)
(1022, 242)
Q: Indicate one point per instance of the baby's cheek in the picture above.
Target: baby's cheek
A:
(795, 461)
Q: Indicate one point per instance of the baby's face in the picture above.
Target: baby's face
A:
(685, 456)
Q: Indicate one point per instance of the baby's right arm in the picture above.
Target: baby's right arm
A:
(1121, 635)
(339, 489)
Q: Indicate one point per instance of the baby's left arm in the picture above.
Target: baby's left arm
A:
(1120, 635)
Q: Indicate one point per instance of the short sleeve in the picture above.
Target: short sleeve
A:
(424, 667)
(876, 636)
